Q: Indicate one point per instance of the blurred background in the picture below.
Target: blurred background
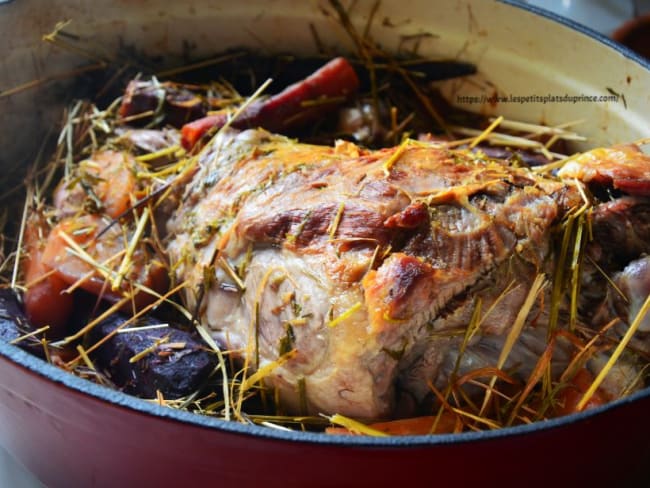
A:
(626, 21)
(604, 16)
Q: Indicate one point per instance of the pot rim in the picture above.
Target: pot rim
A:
(60, 377)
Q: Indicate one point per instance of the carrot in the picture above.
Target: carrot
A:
(296, 105)
(109, 180)
(45, 302)
(192, 132)
(117, 182)
(571, 395)
(410, 426)
(108, 251)
(310, 98)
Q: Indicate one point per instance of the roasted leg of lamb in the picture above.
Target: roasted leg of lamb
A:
(357, 273)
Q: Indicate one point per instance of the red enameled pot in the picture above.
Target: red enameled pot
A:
(72, 433)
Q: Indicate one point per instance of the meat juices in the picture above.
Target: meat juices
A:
(368, 265)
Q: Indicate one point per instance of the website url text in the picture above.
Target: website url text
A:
(523, 99)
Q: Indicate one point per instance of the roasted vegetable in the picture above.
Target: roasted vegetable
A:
(144, 360)
(161, 102)
(100, 262)
(46, 300)
(299, 104)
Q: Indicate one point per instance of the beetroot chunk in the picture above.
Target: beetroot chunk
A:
(176, 367)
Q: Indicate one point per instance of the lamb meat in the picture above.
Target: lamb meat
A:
(362, 269)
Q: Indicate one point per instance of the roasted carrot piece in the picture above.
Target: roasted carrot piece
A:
(410, 426)
(569, 398)
(192, 132)
(45, 302)
(316, 95)
(106, 251)
(302, 102)
(118, 184)
(107, 180)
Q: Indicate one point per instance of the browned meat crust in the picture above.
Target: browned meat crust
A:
(358, 260)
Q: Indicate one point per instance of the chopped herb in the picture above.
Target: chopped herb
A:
(287, 343)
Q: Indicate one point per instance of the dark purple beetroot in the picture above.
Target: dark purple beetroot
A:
(182, 106)
(176, 367)
(176, 105)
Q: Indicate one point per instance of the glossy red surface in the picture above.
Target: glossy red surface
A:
(70, 438)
